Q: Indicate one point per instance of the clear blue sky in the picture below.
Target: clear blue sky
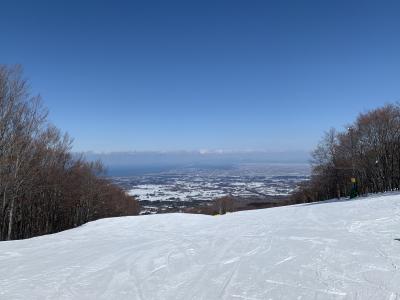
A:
(167, 75)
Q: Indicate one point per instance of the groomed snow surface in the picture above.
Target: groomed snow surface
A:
(331, 250)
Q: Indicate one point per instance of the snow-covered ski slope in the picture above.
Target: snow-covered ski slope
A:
(330, 250)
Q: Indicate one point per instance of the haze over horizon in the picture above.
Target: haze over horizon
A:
(207, 75)
(194, 158)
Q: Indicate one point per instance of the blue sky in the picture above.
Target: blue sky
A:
(187, 75)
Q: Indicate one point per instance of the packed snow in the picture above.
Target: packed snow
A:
(332, 250)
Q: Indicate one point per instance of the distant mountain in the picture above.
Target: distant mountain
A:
(203, 157)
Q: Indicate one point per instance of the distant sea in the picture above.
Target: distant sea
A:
(140, 170)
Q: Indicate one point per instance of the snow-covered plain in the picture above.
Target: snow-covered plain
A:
(331, 250)
(257, 180)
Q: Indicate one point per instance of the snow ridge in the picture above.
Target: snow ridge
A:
(330, 250)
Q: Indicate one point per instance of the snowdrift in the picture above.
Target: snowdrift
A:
(330, 250)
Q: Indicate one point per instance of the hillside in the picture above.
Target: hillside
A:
(329, 250)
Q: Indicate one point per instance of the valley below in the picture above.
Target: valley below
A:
(187, 188)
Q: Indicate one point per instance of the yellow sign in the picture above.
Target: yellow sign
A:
(353, 180)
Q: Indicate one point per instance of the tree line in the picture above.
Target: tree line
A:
(364, 158)
(43, 187)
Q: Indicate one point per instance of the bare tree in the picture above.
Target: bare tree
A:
(366, 155)
(43, 189)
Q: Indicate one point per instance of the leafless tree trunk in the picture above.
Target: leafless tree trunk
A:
(42, 188)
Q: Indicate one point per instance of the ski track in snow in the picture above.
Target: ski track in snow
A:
(330, 250)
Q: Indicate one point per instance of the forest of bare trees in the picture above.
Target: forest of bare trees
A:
(364, 158)
(43, 188)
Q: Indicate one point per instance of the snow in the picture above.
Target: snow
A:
(207, 183)
(207, 191)
(331, 250)
(160, 192)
